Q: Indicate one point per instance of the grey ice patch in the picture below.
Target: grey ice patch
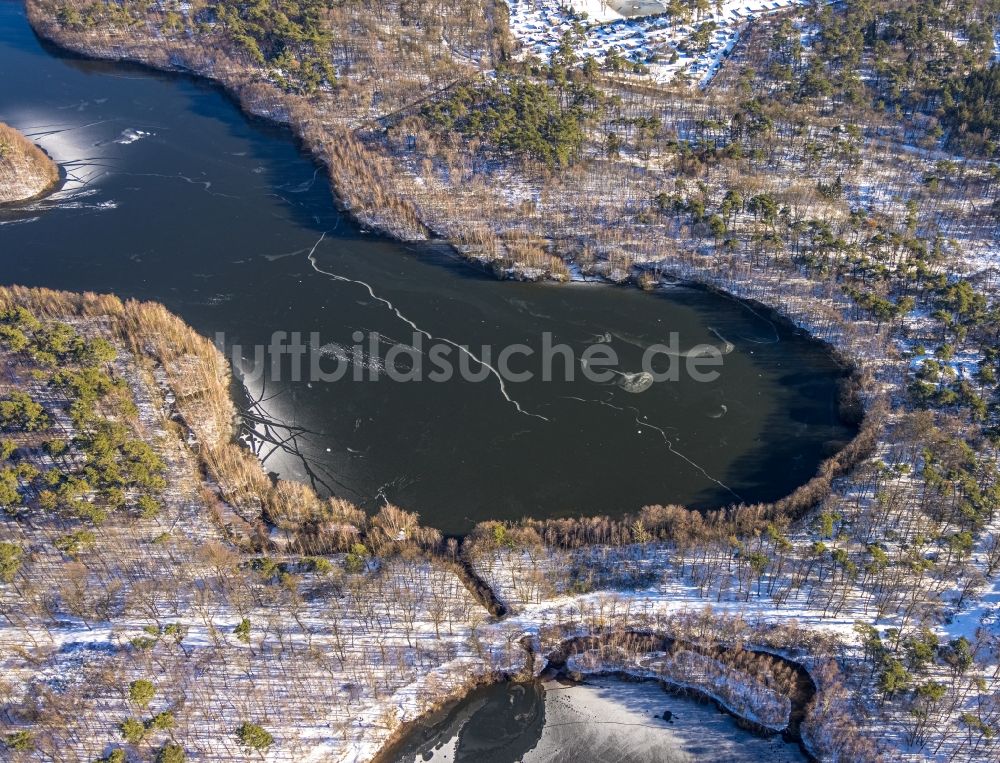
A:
(727, 346)
(635, 382)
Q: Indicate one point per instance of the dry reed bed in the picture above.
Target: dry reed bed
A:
(25, 170)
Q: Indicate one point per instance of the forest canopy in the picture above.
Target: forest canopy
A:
(518, 117)
(972, 109)
(290, 35)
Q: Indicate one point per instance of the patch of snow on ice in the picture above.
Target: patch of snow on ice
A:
(129, 136)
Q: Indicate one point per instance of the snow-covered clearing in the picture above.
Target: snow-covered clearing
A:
(639, 32)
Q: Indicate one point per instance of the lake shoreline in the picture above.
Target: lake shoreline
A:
(27, 172)
(803, 692)
(250, 103)
(858, 558)
(832, 466)
(556, 669)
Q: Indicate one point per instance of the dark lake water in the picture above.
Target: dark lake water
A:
(173, 195)
(603, 719)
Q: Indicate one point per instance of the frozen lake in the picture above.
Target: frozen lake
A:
(603, 719)
(175, 196)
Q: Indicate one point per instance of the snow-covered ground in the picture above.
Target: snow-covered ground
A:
(664, 46)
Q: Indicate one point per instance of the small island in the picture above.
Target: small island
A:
(25, 170)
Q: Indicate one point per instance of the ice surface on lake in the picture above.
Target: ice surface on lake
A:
(609, 719)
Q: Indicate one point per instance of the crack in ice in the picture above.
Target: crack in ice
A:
(462, 348)
(669, 443)
(206, 184)
(260, 429)
(670, 447)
